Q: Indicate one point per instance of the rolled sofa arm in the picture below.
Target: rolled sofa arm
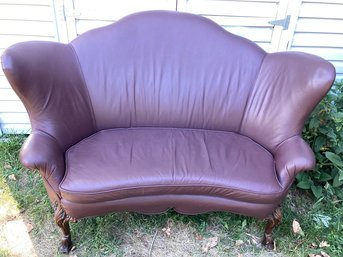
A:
(292, 156)
(41, 151)
(48, 79)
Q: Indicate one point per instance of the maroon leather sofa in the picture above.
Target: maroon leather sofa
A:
(165, 110)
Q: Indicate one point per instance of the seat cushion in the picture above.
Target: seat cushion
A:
(121, 163)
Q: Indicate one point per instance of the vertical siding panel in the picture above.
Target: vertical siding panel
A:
(20, 20)
(319, 31)
(248, 19)
(91, 14)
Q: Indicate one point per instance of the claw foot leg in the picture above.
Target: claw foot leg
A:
(272, 221)
(62, 221)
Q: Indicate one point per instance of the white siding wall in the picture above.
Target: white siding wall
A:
(20, 20)
(319, 31)
(245, 18)
(90, 14)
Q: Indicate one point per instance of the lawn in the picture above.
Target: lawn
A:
(25, 210)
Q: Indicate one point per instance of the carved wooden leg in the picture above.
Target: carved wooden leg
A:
(272, 221)
(62, 220)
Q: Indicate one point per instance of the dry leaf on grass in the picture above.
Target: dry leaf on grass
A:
(297, 228)
(29, 227)
(253, 239)
(210, 243)
(167, 228)
(239, 242)
(313, 245)
(323, 244)
(167, 231)
(198, 236)
(7, 167)
(324, 254)
(12, 177)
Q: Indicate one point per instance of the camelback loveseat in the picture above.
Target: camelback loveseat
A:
(165, 110)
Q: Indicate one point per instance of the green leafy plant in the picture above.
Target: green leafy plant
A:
(324, 132)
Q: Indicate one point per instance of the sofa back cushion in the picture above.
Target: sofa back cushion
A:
(168, 69)
(165, 69)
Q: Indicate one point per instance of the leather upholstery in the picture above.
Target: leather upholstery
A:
(48, 80)
(167, 69)
(152, 161)
(190, 115)
(289, 86)
(186, 204)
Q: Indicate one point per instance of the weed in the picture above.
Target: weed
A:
(324, 133)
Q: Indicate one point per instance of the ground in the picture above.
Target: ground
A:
(310, 227)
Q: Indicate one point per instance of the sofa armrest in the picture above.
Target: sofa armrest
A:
(47, 78)
(292, 156)
(41, 151)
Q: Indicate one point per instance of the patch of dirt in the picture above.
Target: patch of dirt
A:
(18, 235)
(16, 239)
(181, 240)
(45, 241)
(175, 239)
(172, 240)
(14, 232)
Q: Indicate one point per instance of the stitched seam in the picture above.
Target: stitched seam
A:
(58, 194)
(172, 186)
(279, 145)
(59, 146)
(75, 147)
(287, 139)
(165, 128)
(249, 95)
(171, 195)
(38, 131)
(85, 86)
(275, 174)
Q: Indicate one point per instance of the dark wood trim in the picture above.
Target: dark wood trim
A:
(62, 220)
(272, 221)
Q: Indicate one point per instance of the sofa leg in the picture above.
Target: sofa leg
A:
(272, 221)
(62, 220)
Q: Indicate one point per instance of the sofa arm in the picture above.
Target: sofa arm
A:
(292, 156)
(41, 151)
(47, 78)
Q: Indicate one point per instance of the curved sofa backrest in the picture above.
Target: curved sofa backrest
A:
(167, 69)
(288, 87)
(171, 69)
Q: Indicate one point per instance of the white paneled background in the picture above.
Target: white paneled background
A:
(316, 26)
(319, 31)
(21, 20)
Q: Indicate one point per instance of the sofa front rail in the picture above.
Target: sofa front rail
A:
(66, 245)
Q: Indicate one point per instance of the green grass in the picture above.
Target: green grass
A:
(131, 234)
(4, 253)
